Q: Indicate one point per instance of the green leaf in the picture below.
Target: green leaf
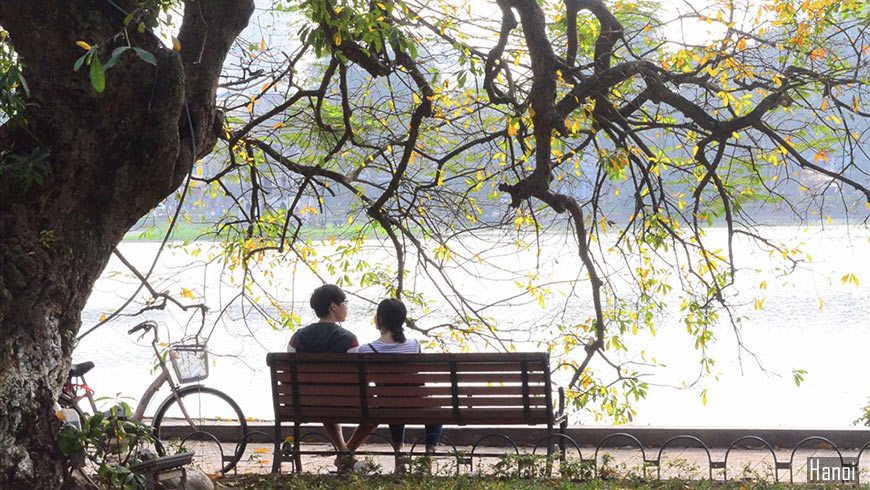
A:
(117, 52)
(80, 62)
(146, 56)
(116, 56)
(798, 376)
(98, 78)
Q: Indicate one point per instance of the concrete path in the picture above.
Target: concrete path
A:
(675, 462)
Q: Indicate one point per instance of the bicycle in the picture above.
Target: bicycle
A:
(186, 412)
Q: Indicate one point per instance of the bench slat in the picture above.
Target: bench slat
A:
(463, 390)
(411, 391)
(508, 416)
(350, 378)
(442, 367)
(410, 402)
(277, 358)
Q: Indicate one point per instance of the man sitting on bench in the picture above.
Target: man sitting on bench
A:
(330, 304)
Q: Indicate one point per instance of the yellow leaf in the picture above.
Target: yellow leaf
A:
(416, 99)
(829, 220)
(820, 155)
(381, 6)
(262, 44)
(412, 157)
(803, 188)
(332, 240)
(849, 278)
(512, 129)
(278, 125)
(262, 450)
(176, 44)
(824, 104)
(103, 317)
(186, 293)
(83, 45)
(820, 303)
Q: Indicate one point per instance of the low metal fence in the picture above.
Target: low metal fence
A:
(560, 448)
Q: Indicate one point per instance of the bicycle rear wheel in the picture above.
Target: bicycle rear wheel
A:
(219, 427)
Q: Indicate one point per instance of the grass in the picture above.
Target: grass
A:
(465, 482)
(184, 232)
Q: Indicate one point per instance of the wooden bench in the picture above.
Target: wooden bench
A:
(447, 389)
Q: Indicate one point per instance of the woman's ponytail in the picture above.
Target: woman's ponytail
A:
(398, 334)
(392, 314)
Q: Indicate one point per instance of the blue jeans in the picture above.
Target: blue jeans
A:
(433, 435)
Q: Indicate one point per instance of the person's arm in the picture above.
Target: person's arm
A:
(353, 342)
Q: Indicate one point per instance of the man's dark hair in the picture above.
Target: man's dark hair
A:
(392, 314)
(324, 296)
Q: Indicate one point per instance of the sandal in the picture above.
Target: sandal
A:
(345, 462)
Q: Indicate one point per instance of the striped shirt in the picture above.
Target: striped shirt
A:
(409, 346)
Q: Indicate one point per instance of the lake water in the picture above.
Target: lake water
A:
(791, 332)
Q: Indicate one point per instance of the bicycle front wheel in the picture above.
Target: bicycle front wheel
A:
(217, 434)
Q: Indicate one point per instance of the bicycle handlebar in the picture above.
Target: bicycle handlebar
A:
(146, 325)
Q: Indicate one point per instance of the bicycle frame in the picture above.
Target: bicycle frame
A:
(164, 377)
(74, 399)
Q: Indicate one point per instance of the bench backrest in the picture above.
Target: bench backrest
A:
(451, 389)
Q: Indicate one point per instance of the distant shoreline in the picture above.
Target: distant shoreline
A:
(190, 232)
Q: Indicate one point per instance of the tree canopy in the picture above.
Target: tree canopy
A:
(451, 131)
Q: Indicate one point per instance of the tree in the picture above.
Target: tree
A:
(84, 155)
(417, 119)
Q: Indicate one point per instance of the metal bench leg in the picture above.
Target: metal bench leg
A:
(297, 458)
(276, 457)
(550, 440)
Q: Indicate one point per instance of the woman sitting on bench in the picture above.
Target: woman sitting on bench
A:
(389, 319)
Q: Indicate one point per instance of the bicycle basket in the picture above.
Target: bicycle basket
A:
(190, 362)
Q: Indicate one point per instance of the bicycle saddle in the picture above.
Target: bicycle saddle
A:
(80, 369)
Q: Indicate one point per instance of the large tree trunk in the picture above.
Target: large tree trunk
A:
(112, 157)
